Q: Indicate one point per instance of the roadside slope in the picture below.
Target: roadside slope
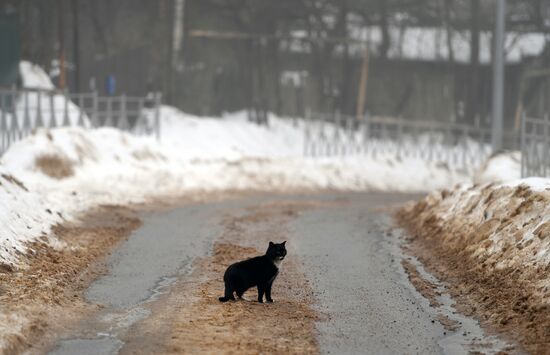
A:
(46, 296)
(491, 243)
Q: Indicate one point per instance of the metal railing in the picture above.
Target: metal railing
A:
(24, 110)
(457, 145)
(535, 146)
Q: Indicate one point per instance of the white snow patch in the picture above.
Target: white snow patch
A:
(500, 168)
(34, 77)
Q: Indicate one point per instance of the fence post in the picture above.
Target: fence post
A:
(366, 133)
(95, 110)
(26, 113)
(80, 121)
(142, 125)
(14, 119)
(123, 122)
(545, 145)
(306, 132)
(399, 137)
(465, 146)
(66, 121)
(108, 122)
(53, 118)
(523, 147)
(3, 123)
(39, 122)
(158, 100)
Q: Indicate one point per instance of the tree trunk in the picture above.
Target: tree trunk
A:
(472, 103)
(385, 44)
(344, 92)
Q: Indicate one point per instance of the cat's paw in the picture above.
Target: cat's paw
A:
(261, 301)
(269, 300)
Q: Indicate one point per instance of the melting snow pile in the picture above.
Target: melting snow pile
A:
(52, 107)
(501, 228)
(24, 217)
(500, 168)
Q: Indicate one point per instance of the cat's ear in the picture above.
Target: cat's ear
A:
(283, 243)
(271, 244)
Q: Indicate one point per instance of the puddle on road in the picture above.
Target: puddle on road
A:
(105, 345)
(469, 337)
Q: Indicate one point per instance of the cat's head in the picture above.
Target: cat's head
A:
(276, 251)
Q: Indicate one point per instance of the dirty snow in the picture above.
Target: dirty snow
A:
(504, 227)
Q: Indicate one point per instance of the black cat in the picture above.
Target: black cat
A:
(260, 271)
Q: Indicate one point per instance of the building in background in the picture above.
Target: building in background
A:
(418, 60)
(9, 46)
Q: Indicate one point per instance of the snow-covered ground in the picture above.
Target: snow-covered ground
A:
(52, 107)
(500, 168)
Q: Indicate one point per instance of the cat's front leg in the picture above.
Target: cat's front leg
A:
(268, 293)
(261, 291)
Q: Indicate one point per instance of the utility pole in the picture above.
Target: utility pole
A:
(175, 46)
(177, 35)
(498, 76)
(76, 46)
(61, 34)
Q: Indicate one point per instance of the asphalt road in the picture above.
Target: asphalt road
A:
(352, 261)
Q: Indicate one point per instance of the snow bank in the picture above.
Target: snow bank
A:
(50, 103)
(24, 216)
(499, 168)
(231, 137)
(501, 228)
(34, 77)
(71, 169)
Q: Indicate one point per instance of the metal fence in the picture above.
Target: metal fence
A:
(23, 111)
(457, 145)
(535, 146)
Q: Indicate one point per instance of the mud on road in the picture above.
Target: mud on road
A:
(190, 319)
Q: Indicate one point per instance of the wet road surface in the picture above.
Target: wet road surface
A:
(352, 260)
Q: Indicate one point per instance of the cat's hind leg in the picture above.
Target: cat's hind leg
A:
(240, 287)
(240, 294)
(228, 294)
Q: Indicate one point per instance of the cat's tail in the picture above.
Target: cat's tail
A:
(224, 299)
